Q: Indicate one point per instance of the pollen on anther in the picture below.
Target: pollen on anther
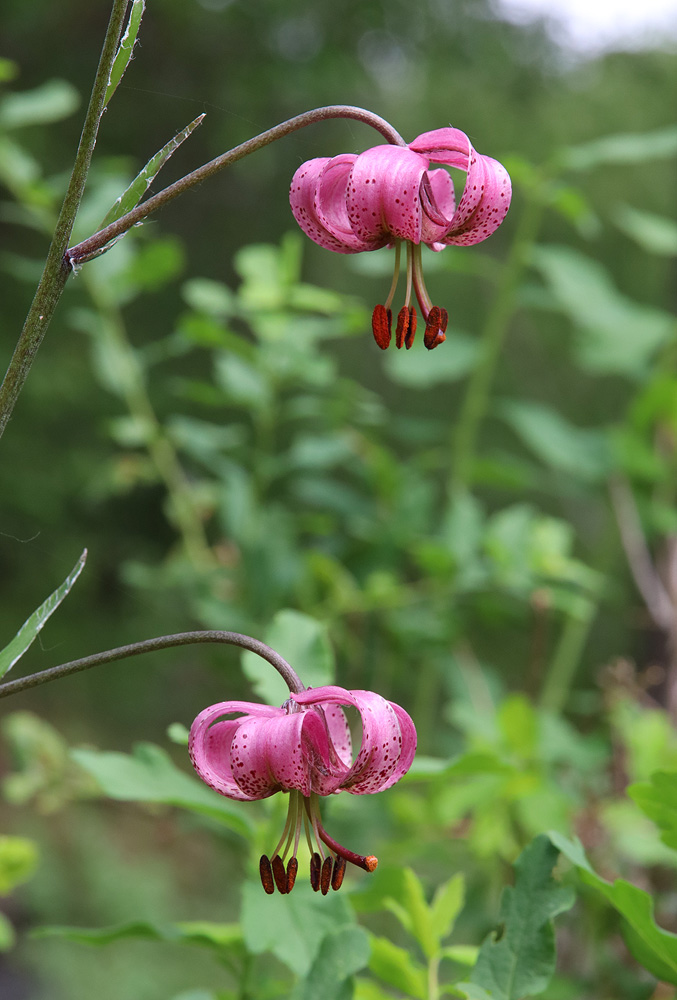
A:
(338, 872)
(381, 322)
(279, 874)
(315, 865)
(292, 869)
(325, 875)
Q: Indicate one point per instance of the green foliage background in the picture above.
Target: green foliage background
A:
(209, 416)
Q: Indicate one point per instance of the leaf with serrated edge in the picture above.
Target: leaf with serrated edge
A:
(136, 190)
(30, 628)
(520, 960)
(123, 56)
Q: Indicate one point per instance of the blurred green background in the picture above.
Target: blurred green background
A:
(210, 417)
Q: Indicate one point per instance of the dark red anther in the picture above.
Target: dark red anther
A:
(381, 322)
(325, 875)
(435, 326)
(411, 329)
(266, 873)
(279, 874)
(315, 865)
(292, 869)
(338, 872)
(406, 327)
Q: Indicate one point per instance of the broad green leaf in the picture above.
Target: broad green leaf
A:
(136, 190)
(447, 904)
(292, 927)
(30, 628)
(125, 49)
(655, 947)
(304, 643)
(627, 147)
(519, 959)
(657, 798)
(342, 953)
(418, 368)
(149, 775)
(615, 334)
(654, 233)
(576, 451)
(18, 861)
(50, 102)
(209, 935)
(395, 966)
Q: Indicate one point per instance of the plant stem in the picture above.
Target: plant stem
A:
(476, 398)
(151, 645)
(57, 268)
(93, 246)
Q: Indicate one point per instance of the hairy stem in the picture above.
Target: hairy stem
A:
(93, 246)
(151, 645)
(57, 268)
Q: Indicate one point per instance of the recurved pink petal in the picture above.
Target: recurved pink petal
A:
(388, 737)
(210, 744)
(302, 198)
(383, 194)
(267, 756)
(444, 145)
(331, 207)
(491, 209)
(438, 202)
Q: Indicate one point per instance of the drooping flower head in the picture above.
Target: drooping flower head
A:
(303, 748)
(388, 195)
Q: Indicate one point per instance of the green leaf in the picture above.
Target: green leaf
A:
(395, 966)
(123, 56)
(208, 935)
(420, 922)
(30, 628)
(342, 953)
(18, 861)
(304, 643)
(149, 775)
(136, 190)
(654, 233)
(7, 933)
(615, 334)
(50, 102)
(576, 451)
(418, 368)
(447, 904)
(628, 147)
(654, 947)
(292, 927)
(657, 798)
(519, 959)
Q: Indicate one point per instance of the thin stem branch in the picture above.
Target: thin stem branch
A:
(57, 268)
(289, 676)
(93, 245)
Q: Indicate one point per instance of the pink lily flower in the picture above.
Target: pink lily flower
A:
(303, 748)
(388, 195)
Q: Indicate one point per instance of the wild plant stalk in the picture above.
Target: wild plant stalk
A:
(61, 261)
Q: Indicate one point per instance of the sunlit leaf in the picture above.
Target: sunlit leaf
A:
(304, 643)
(625, 148)
(518, 960)
(30, 628)
(124, 54)
(447, 904)
(654, 233)
(149, 775)
(397, 967)
(136, 190)
(292, 927)
(657, 798)
(50, 102)
(18, 861)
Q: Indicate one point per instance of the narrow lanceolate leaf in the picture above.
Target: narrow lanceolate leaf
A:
(654, 947)
(519, 959)
(30, 628)
(136, 190)
(124, 53)
(209, 935)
